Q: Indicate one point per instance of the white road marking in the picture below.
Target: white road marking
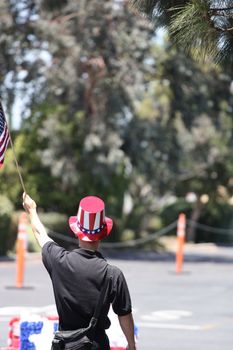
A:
(11, 310)
(148, 321)
(5, 318)
(184, 327)
(18, 310)
(157, 319)
(163, 315)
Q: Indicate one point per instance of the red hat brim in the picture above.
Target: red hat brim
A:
(73, 223)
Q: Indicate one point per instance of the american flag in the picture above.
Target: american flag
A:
(4, 135)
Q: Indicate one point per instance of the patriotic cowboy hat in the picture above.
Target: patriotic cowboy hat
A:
(91, 224)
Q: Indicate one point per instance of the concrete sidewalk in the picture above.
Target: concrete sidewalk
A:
(187, 311)
(202, 252)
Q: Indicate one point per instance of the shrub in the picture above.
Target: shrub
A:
(58, 229)
(56, 225)
(215, 214)
(6, 210)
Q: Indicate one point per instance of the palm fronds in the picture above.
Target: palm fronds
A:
(192, 29)
(202, 27)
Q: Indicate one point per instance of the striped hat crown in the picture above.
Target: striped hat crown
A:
(91, 215)
(91, 224)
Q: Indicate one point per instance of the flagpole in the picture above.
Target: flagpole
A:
(13, 149)
(16, 162)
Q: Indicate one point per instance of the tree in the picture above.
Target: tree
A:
(81, 101)
(113, 114)
(186, 132)
(21, 55)
(203, 28)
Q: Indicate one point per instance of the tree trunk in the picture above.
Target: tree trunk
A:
(196, 213)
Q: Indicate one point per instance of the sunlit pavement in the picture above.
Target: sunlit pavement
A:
(192, 310)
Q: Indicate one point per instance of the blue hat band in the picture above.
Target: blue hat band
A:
(90, 232)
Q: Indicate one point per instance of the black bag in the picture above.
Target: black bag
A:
(74, 340)
(81, 339)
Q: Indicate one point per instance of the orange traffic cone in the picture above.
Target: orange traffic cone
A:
(181, 224)
(21, 246)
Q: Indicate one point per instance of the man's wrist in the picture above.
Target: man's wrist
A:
(32, 212)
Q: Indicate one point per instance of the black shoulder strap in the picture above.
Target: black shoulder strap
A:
(99, 305)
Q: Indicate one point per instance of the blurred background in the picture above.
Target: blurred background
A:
(101, 102)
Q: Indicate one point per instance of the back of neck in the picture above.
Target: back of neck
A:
(89, 245)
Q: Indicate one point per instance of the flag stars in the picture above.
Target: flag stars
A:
(92, 232)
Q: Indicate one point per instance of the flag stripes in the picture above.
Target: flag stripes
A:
(4, 136)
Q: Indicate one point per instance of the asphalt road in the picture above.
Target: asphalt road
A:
(190, 311)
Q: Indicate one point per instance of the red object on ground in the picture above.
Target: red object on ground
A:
(13, 337)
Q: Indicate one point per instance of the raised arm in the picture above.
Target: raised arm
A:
(127, 326)
(37, 226)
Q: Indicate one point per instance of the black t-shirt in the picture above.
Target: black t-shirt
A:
(77, 277)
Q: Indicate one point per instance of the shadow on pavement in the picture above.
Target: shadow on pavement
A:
(224, 256)
(218, 255)
(6, 259)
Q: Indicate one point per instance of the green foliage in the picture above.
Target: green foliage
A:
(203, 36)
(54, 223)
(57, 226)
(78, 130)
(217, 215)
(201, 27)
(115, 111)
(170, 213)
(6, 209)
